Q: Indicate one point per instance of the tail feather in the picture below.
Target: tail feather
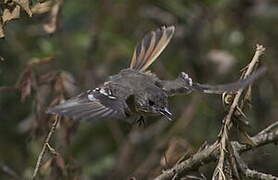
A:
(147, 51)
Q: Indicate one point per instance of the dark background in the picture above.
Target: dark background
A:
(214, 40)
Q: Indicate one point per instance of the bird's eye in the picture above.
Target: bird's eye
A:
(151, 103)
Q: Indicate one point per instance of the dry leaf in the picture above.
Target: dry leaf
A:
(24, 83)
(176, 149)
(1, 31)
(52, 25)
(24, 5)
(36, 61)
(11, 10)
(46, 166)
(41, 8)
(60, 162)
(9, 14)
(25, 86)
(245, 138)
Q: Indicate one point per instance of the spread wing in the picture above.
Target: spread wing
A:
(150, 48)
(93, 104)
(235, 86)
(184, 84)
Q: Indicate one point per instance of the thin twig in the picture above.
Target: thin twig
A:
(228, 119)
(45, 146)
(10, 172)
(5, 88)
(269, 128)
(189, 164)
(270, 136)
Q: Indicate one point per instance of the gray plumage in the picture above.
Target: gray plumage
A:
(134, 92)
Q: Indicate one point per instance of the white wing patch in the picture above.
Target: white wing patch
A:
(98, 103)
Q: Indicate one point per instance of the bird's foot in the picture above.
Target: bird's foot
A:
(141, 121)
(186, 79)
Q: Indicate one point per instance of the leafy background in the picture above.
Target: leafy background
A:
(59, 52)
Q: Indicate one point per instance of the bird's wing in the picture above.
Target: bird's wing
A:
(230, 87)
(184, 84)
(93, 104)
(150, 47)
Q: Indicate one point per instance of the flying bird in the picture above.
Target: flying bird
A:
(135, 93)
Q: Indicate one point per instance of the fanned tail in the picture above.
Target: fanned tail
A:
(150, 47)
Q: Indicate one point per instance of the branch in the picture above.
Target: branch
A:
(221, 147)
(6, 88)
(251, 173)
(195, 161)
(8, 171)
(228, 118)
(211, 153)
(264, 137)
(45, 146)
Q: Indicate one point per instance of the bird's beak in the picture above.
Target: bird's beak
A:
(166, 113)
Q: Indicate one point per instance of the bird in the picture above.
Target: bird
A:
(135, 92)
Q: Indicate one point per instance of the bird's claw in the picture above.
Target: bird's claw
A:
(186, 78)
(141, 121)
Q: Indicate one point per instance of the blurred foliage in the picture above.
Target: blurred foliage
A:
(70, 44)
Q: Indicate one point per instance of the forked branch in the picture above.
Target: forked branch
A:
(224, 147)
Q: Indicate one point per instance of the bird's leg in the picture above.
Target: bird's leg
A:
(182, 85)
(140, 121)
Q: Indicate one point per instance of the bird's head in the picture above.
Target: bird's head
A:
(153, 101)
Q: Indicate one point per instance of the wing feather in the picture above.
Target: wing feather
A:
(98, 107)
